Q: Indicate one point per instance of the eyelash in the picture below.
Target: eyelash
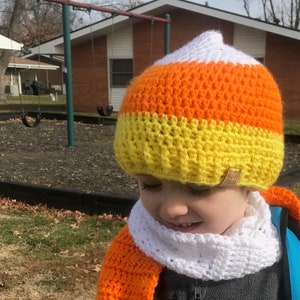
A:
(196, 192)
(192, 191)
(151, 187)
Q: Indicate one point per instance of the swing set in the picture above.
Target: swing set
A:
(29, 119)
(37, 116)
(103, 110)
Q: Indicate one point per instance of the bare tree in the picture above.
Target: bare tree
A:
(246, 7)
(281, 12)
(40, 22)
(32, 22)
(94, 16)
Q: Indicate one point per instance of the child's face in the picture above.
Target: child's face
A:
(191, 208)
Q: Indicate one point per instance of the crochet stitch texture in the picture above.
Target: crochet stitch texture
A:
(199, 111)
(247, 247)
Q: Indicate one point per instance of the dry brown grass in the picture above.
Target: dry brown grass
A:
(51, 254)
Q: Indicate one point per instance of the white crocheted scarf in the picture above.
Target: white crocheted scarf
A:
(247, 247)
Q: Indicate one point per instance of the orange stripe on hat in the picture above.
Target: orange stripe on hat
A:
(219, 91)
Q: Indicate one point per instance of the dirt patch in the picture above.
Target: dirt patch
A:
(42, 156)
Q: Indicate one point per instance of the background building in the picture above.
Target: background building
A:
(107, 54)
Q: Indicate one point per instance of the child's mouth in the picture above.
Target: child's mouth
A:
(184, 227)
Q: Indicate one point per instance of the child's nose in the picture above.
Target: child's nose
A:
(173, 206)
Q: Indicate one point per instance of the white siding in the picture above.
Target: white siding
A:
(116, 96)
(249, 40)
(119, 45)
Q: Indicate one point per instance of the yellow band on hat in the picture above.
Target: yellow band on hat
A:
(196, 152)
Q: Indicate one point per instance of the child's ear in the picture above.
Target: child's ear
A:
(247, 191)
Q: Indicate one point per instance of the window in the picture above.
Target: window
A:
(260, 59)
(121, 72)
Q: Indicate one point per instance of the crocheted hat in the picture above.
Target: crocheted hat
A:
(206, 114)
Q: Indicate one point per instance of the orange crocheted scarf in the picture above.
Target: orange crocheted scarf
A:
(128, 274)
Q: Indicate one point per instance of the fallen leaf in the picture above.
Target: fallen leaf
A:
(97, 268)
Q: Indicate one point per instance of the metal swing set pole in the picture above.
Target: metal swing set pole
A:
(68, 74)
(68, 55)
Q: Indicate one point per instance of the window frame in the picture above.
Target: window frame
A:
(114, 73)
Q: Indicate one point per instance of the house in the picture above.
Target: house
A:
(21, 72)
(107, 54)
(25, 76)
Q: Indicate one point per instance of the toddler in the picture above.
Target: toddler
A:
(201, 129)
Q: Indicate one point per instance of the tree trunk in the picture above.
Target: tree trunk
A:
(5, 55)
(4, 60)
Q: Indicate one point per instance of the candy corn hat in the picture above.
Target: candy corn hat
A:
(206, 114)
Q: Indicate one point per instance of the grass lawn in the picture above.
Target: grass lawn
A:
(292, 126)
(43, 103)
(33, 103)
(51, 254)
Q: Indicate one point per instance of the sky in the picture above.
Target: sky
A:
(235, 6)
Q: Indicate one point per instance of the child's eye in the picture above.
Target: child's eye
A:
(151, 186)
(200, 193)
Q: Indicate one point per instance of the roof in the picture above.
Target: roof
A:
(8, 44)
(159, 7)
(24, 63)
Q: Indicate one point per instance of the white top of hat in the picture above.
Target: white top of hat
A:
(207, 47)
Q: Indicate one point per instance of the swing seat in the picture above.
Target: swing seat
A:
(105, 112)
(37, 119)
